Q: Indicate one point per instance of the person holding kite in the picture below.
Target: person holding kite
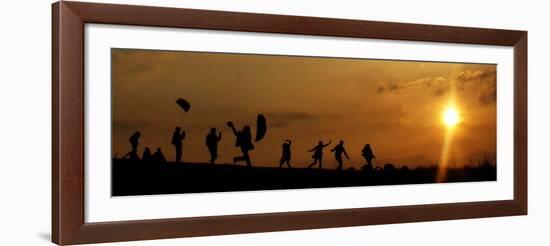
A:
(244, 138)
(244, 142)
(178, 136)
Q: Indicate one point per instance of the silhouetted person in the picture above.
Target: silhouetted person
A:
(244, 142)
(318, 154)
(285, 156)
(147, 156)
(212, 140)
(368, 155)
(134, 142)
(158, 156)
(338, 151)
(177, 141)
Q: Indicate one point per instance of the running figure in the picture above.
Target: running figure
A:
(318, 153)
(338, 151)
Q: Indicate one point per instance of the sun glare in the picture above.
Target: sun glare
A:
(451, 117)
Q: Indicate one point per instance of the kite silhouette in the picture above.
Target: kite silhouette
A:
(184, 104)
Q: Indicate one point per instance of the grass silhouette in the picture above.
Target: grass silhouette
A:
(131, 177)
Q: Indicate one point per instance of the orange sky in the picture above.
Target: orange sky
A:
(396, 106)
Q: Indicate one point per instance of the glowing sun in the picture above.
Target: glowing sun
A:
(451, 117)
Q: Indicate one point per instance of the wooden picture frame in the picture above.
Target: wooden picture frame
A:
(68, 223)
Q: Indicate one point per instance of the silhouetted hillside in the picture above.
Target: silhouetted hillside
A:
(145, 178)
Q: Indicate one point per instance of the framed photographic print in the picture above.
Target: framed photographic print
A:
(177, 122)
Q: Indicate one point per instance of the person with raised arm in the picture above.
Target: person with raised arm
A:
(318, 153)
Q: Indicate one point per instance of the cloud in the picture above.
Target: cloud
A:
(440, 91)
(487, 92)
(469, 76)
(389, 87)
(437, 86)
(485, 82)
(475, 75)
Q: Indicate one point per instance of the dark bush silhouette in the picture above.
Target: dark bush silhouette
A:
(367, 168)
(389, 168)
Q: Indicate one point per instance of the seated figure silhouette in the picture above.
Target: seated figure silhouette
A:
(338, 151)
(177, 141)
(368, 155)
(134, 142)
(147, 156)
(244, 142)
(318, 153)
(285, 156)
(158, 156)
(212, 140)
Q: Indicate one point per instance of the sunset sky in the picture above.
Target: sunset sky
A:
(396, 106)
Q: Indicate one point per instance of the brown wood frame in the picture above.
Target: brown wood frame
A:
(68, 224)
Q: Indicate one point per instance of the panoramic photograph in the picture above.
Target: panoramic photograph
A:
(191, 122)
